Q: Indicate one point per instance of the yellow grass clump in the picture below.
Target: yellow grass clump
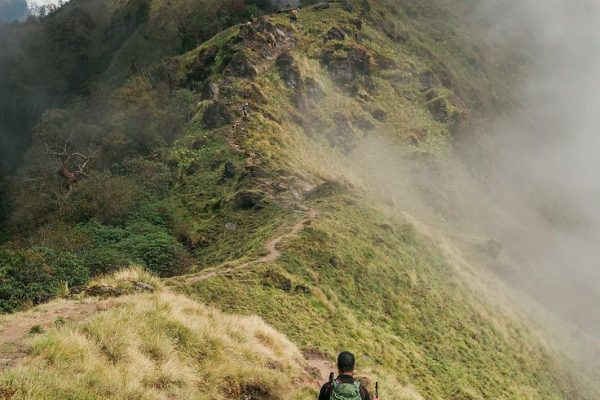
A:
(159, 346)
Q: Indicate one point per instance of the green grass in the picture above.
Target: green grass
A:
(356, 278)
(393, 299)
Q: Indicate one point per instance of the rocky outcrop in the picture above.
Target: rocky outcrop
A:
(209, 91)
(247, 199)
(240, 66)
(265, 38)
(202, 66)
(342, 135)
(216, 115)
(346, 64)
(335, 34)
(288, 70)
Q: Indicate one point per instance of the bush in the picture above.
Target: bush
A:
(109, 199)
(146, 242)
(156, 249)
(36, 275)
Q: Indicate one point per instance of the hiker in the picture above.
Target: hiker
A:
(246, 110)
(344, 386)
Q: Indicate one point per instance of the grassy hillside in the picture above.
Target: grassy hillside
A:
(258, 215)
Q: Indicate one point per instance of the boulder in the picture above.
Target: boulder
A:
(347, 6)
(254, 94)
(215, 116)
(209, 91)
(103, 291)
(142, 287)
(314, 89)
(343, 135)
(345, 68)
(379, 114)
(228, 170)
(321, 6)
(241, 67)
(357, 23)
(247, 199)
(265, 37)
(201, 68)
(335, 34)
(288, 71)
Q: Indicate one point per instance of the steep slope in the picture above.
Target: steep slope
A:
(262, 209)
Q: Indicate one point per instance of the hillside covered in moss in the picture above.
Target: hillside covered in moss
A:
(238, 156)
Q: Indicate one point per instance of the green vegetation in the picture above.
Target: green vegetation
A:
(156, 165)
(35, 275)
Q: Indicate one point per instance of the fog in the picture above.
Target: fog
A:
(547, 158)
(528, 189)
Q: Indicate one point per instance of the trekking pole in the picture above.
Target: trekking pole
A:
(377, 390)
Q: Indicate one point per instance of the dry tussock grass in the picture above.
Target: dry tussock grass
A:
(159, 346)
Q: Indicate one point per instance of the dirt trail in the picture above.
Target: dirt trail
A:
(319, 370)
(17, 328)
(272, 253)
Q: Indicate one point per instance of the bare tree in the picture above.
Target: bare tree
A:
(72, 165)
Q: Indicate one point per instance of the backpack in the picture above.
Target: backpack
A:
(345, 391)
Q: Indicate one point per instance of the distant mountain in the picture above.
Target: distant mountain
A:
(13, 10)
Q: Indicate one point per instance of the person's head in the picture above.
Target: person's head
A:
(345, 363)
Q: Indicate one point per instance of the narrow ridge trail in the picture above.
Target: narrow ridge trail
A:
(14, 329)
(272, 255)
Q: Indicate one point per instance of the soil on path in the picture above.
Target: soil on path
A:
(16, 328)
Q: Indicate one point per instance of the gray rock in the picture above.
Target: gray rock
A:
(200, 70)
(143, 287)
(345, 69)
(241, 67)
(216, 115)
(248, 199)
(288, 71)
(335, 34)
(321, 6)
(103, 291)
(209, 91)
(228, 170)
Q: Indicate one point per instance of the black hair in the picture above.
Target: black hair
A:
(346, 361)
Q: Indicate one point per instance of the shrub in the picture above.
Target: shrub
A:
(36, 275)
(156, 249)
(109, 199)
(145, 241)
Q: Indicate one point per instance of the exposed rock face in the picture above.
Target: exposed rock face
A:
(216, 115)
(248, 199)
(143, 287)
(265, 37)
(201, 68)
(343, 135)
(313, 89)
(288, 71)
(321, 6)
(346, 64)
(335, 34)
(210, 91)
(437, 107)
(103, 291)
(228, 170)
(379, 114)
(241, 67)
(254, 94)
(283, 5)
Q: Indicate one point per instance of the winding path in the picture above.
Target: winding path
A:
(272, 255)
(14, 329)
